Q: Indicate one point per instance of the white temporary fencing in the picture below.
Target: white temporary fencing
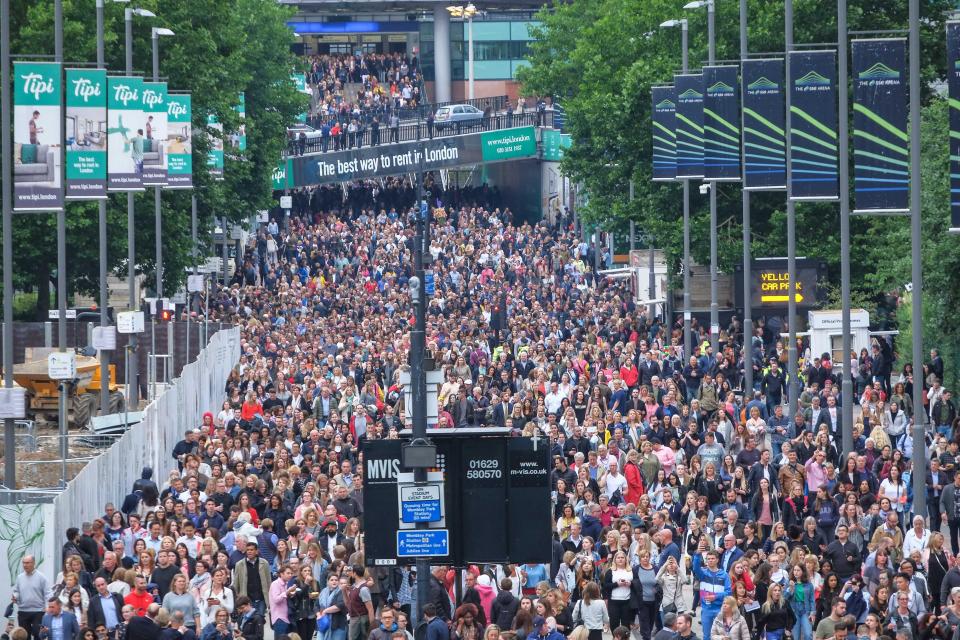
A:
(110, 476)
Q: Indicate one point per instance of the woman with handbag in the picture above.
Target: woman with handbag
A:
(671, 579)
(332, 621)
(591, 612)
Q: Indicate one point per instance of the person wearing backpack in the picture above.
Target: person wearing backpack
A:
(505, 605)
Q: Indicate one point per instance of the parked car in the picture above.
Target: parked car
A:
(457, 115)
(293, 132)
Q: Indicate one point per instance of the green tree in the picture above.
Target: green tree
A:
(221, 48)
(601, 57)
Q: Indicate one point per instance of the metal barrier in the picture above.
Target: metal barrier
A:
(419, 131)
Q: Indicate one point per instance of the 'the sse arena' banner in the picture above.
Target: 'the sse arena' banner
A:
(813, 125)
(721, 124)
(86, 134)
(689, 125)
(664, 119)
(881, 169)
(155, 134)
(125, 131)
(37, 150)
(953, 81)
(179, 141)
(764, 104)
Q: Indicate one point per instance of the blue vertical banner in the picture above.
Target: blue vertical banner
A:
(813, 126)
(664, 124)
(953, 83)
(721, 123)
(689, 125)
(764, 120)
(881, 150)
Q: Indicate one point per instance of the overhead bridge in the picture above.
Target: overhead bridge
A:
(494, 144)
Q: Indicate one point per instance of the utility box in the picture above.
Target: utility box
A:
(826, 334)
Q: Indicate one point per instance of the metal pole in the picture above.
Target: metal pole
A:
(687, 338)
(846, 382)
(61, 265)
(920, 417)
(193, 250)
(791, 231)
(226, 253)
(747, 311)
(133, 388)
(418, 381)
(714, 277)
(102, 232)
(632, 223)
(470, 54)
(651, 278)
(6, 185)
(157, 216)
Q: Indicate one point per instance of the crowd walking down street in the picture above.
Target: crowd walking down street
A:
(684, 506)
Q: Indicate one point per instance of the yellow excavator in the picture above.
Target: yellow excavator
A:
(43, 392)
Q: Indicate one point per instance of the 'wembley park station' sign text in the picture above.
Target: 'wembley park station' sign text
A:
(439, 153)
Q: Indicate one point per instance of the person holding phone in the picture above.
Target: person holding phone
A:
(216, 597)
(219, 628)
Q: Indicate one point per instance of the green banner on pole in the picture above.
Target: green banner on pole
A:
(813, 122)
(881, 170)
(215, 155)
(86, 134)
(721, 124)
(125, 133)
(664, 123)
(37, 148)
(764, 117)
(239, 139)
(155, 134)
(953, 86)
(689, 125)
(179, 141)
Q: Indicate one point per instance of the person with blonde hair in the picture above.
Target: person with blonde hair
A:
(591, 612)
(729, 624)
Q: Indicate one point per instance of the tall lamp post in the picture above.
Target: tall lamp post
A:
(687, 338)
(714, 305)
(467, 13)
(133, 391)
(155, 34)
(6, 186)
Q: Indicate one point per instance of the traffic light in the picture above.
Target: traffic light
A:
(165, 315)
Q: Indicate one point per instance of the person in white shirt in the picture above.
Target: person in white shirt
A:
(613, 481)
(917, 538)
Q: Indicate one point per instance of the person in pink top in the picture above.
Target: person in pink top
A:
(816, 474)
(666, 456)
(279, 614)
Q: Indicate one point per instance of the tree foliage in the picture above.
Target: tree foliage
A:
(601, 57)
(221, 48)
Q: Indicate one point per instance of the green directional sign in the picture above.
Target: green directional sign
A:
(503, 145)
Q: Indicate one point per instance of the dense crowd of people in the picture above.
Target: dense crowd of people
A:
(681, 504)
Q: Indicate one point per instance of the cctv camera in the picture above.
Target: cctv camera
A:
(704, 188)
(414, 284)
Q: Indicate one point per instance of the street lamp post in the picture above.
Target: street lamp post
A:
(747, 311)
(133, 391)
(687, 338)
(714, 304)
(155, 34)
(6, 186)
(467, 13)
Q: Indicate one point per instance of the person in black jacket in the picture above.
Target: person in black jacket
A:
(249, 621)
(844, 555)
(101, 599)
(437, 594)
(505, 605)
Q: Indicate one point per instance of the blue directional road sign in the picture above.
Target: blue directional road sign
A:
(420, 543)
(421, 503)
(429, 283)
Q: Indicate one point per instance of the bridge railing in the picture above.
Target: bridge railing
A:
(413, 131)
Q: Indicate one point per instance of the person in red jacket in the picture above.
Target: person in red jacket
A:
(631, 471)
(140, 598)
(630, 374)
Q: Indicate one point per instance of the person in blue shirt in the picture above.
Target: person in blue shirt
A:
(533, 575)
(714, 583)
